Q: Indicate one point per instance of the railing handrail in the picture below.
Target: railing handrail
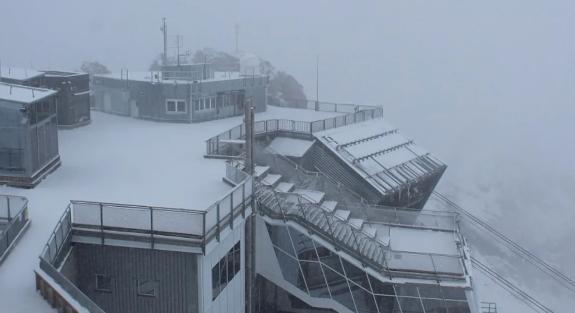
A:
(137, 206)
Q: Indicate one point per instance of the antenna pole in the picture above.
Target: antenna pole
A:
(317, 83)
(237, 38)
(165, 33)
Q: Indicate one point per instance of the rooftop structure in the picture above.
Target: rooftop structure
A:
(28, 134)
(185, 93)
(73, 97)
(21, 76)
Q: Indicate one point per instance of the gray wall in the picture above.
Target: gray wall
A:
(175, 271)
(28, 140)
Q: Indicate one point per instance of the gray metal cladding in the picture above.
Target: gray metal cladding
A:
(175, 273)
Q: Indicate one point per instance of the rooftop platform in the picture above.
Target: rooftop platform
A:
(23, 94)
(122, 160)
(156, 77)
(20, 74)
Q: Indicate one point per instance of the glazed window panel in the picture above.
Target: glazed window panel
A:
(304, 246)
(315, 280)
(148, 288)
(104, 283)
(225, 270)
(339, 289)
(290, 269)
(364, 300)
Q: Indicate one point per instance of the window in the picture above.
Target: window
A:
(225, 270)
(148, 288)
(103, 283)
(176, 106)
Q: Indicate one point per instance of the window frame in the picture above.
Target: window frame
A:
(176, 102)
(100, 288)
(139, 283)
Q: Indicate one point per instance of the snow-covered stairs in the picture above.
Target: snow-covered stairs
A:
(351, 234)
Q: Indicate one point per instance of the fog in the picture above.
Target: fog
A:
(487, 86)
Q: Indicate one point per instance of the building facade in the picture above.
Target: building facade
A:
(73, 97)
(188, 93)
(28, 134)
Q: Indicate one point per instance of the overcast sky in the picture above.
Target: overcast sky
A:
(489, 86)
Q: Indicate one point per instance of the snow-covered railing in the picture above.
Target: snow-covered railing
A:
(217, 145)
(13, 218)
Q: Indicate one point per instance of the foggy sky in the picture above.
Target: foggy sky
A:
(488, 86)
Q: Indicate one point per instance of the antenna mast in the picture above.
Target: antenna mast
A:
(164, 30)
(317, 83)
(237, 38)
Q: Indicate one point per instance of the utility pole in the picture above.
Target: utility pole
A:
(179, 44)
(251, 220)
(164, 30)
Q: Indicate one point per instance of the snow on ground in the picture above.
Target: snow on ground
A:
(123, 160)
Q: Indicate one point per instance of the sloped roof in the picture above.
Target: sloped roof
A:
(380, 154)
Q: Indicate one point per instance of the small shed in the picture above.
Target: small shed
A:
(28, 134)
(73, 97)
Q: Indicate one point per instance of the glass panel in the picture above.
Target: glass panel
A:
(364, 300)
(237, 258)
(387, 304)
(410, 305)
(453, 293)
(356, 275)
(339, 288)
(280, 238)
(304, 247)
(381, 287)
(290, 270)
(457, 306)
(434, 306)
(406, 290)
(223, 273)
(314, 279)
(430, 291)
(329, 258)
(215, 281)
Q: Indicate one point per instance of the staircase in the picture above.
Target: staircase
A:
(322, 217)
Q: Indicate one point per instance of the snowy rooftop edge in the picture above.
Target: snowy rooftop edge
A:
(23, 94)
(144, 76)
(18, 73)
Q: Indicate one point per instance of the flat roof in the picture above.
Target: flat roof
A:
(23, 94)
(379, 153)
(289, 146)
(147, 77)
(50, 73)
(16, 73)
(123, 160)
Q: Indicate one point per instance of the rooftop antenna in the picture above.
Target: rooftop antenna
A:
(164, 30)
(317, 83)
(179, 44)
(237, 27)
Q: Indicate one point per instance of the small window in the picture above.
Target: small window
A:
(181, 106)
(213, 100)
(103, 283)
(148, 288)
(176, 106)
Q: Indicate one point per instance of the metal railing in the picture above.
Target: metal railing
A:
(216, 145)
(13, 218)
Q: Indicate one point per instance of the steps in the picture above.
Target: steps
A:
(284, 187)
(259, 171)
(311, 195)
(328, 206)
(271, 180)
(342, 214)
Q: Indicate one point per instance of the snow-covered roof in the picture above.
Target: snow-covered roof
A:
(380, 154)
(18, 73)
(23, 94)
(289, 146)
(147, 77)
(122, 160)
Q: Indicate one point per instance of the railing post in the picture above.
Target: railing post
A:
(232, 210)
(244, 200)
(152, 226)
(218, 222)
(102, 223)
(204, 233)
(8, 206)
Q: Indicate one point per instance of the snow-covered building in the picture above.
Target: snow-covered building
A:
(291, 237)
(184, 93)
(28, 134)
(73, 97)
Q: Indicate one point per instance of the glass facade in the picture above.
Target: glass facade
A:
(225, 270)
(321, 273)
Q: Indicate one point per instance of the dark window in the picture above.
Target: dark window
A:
(181, 106)
(363, 299)
(225, 270)
(314, 279)
(171, 106)
(280, 238)
(355, 274)
(290, 269)
(339, 289)
(103, 283)
(148, 288)
(304, 247)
